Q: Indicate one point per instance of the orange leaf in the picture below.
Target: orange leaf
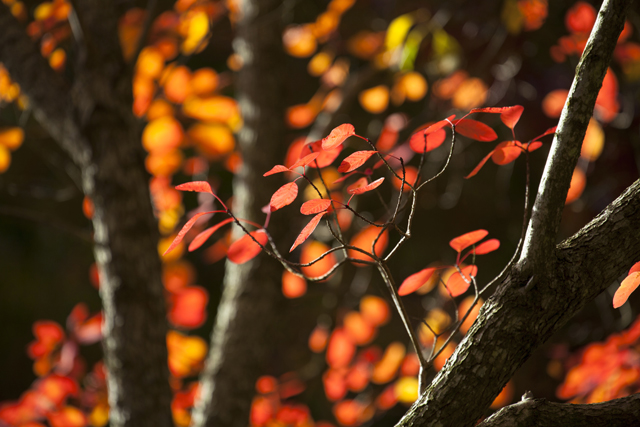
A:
(423, 142)
(325, 158)
(576, 187)
(415, 281)
(338, 136)
(475, 130)
(199, 186)
(355, 160)
(364, 240)
(488, 246)
(553, 103)
(203, 236)
(293, 286)
(506, 152)
(284, 196)
(340, 350)
(358, 188)
(459, 283)
(245, 249)
(188, 307)
(374, 310)
(307, 230)
(508, 115)
(533, 146)
(628, 285)
(276, 169)
(315, 206)
(305, 160)
(635, 267)
(185, 229)
(460, 243)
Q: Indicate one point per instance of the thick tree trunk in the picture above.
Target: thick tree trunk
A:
(249, 306)
(93, 122)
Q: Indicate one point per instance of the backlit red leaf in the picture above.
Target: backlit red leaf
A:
(635, 267)
(628, 285)
(315, 206)
(185, 229)
(460, 243)
(276, 169)
(433, 140)
(355, 160)
(325, 158)
(204, 236)
(488, 246)
(546, 132)
(415, 281)
(506, 152)
(307, 230)
(475, 130)
(199, 186)
(459, 283)
(305, 160)
(284, 196)
(188, 307)
(358, 188)
(338, 136)
(533, 146)
(245, 249)
(439, 125)
(479, 166)
(508, 115)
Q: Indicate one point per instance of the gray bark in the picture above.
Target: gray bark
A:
(249, 307)
(93, 123)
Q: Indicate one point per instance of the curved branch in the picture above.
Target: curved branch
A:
(621, 412)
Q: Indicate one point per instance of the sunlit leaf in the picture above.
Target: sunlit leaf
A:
(577, 185)
(245, 249)
(459, 282)
(284, 196)
(374, 310)
(307, 230)
(628, 285)
(325, 158)
(415, 281)
(355, 160)
(464, 307)
(312, 251)
(462, 242)
(188, 307)
(486, 247)
(303, 162)
(506, 152)
(204, 235)
(635, 267)
(387, 368)
(348, 412)
(593, 142)
(475, 130)
(185, 228)
(469, 93)
(374, 100)
(580, 17)
(276, 169)
(553, 103)
(315, 206)
(423, 142)
(364, 240)
(335, 385)
(407, 389)
(338, 136)
(340, 350)
(410, 177)
(199, 186)
(359, 330)
(293, 286)
(162, 134)
(361, 186)
(509, 115)
(546, 132)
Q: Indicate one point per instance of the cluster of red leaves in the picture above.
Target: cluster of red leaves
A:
(605, 370)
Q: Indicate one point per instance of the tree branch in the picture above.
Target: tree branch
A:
(565, 149)
(621, 412)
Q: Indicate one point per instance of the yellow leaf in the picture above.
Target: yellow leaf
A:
(398, 30)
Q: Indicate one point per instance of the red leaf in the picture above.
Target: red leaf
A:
(433, 140)
(458, 284)
(628, 285)
(506, 152)
(508, 115)
(488, 246)
(199, 186)
(533, 146)
(245, 249)
(188, 307)
(344, 177)
(479, 166)
(475, 130)
(460, 243)
(185, 229)
(276, 169)
(439, 125)
(325, 158)
(355, 160)
(204, 236)
(635, 267)
(307, 230)
(358, 188)
(305, 160)
(284, 196)
(314, 206)
(546, 132)
(415, 281)
(338, 136)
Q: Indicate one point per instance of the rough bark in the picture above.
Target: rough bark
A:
(549, 284)
(623, 412)
(248, 309)
(92, 121)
